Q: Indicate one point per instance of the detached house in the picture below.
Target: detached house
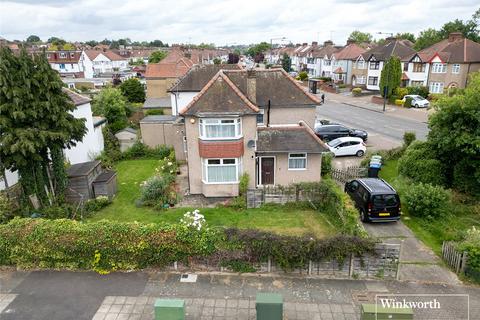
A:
(256, 122)
(450, 61)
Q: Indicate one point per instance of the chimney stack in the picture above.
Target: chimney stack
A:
(305, 44)
(314, 43)
(252, 86)
(455, 36)
(350, 41)
(328, 43)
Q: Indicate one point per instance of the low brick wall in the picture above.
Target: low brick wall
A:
(378, 100)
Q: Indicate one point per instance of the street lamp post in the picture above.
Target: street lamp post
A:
(385, 89)
(271, 44)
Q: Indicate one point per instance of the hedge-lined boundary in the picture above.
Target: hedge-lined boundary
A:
(104, 246)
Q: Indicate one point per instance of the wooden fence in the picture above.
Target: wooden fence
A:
(455, 259)
(349, 173)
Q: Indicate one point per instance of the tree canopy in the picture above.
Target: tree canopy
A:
(33, 39)
(133, 90)
(286, 62)
(258, 49)
(360, 37)
(391, 75)
(157, 56)
(406, 36)
(111, 104)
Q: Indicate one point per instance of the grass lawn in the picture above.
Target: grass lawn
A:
(433, 233)
(278, 219)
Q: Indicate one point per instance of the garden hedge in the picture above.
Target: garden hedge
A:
(105, 245)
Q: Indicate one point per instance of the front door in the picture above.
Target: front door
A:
(267, 170)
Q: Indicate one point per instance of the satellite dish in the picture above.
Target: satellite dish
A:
(251, 144)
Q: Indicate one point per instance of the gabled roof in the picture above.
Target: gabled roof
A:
(327, 51)
(456, 50)
(199, 75)
(393, 47)
(349, 52)
(112, 56)
(168, 69)
(289, 139)
(220, 96)
(76, 98)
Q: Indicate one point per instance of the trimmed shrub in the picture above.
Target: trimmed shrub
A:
(426, 200)
(154, 112)
(303, 76)
(141, 150)
(419, 164)
(421, 91)
(408, 102)
(399, 102)
(356, 92)
(401, 92)
(158, 191)
(93, 205)
(327, 158)
(408, 138)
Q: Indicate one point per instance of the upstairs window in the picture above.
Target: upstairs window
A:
(418, 67)
(360, 64)
(439, 68)
(374, 65)
(405, 66)
(72, 54)
(456, 68)
(216, 129)
(63, 55)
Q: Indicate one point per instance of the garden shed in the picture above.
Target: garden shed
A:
(126, 137)
(105, 184)
(80, 180)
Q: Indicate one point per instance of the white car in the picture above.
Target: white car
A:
(417, 101)
(347, 146)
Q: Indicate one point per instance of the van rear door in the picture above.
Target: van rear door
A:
(385, 206)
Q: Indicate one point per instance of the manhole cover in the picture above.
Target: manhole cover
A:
(186, 277)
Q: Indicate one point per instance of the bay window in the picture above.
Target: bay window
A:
(216, 129)
(221, 170)
(297, 161)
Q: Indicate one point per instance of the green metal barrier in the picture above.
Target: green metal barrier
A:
(269, 306)
(169, 309)
(369, 312)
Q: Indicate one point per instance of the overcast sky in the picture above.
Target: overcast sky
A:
(223, 22)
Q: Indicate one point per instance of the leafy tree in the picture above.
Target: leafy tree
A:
(286, 62)
(157, 56)
(217, 61)
(469, 29)
(33, 39)
(56, 41)
(426, 38)
(36, 122)
(68, 46)
(133, 90)
(233, 58)
(360, 37)
(258, 49)
(391, 75)
(91, 43)
(112, 105)
(455, 132)
(156, 43)
(406, 36)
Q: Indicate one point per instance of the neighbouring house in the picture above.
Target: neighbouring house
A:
(101, 62)
(127, 138)
(450, 61)
(188, 86)
(359, 72)
(346, 58)
(69, 63)
(256, 122)
(377, 56)
(323, 61)
(91, 144)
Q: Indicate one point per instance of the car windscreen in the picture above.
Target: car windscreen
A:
(385, 200)
(334, 143)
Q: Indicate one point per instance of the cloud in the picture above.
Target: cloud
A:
(222, 22)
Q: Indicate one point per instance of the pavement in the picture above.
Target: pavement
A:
(55, 295)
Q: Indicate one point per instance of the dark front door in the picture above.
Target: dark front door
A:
(268, 167)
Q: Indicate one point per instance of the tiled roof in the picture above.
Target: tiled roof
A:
(458, 50)
(394, 47)
(289, 138)
(165, 69)
(76, 98)
(199, 75)
(155, 103)
(113, 56)
(328, 51)
(349, 52)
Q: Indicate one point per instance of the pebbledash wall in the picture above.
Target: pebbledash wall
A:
(384, 264)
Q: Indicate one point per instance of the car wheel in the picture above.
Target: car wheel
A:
(416, 106)
(363, 216)
(360, 153)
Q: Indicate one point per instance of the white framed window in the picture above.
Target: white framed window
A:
(439, 67)
(72, 54)
(260, 117)
(374, 65)
(63, 55)
(456, 68)
(436, 87)
(372, 81)
(327, 62)
(221, 171)
(361, 79)
(297, 161)
(220, 129)
(360, 64)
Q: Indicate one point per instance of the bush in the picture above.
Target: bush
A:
(158, 191)
(154, 112)
(326, 79)
(419, 164)
(342, 86)
(392, 99)
(390, 154)
(426, 200)
(471, 244)
(327, 158)
(243, 185)
(133, 90)
(421, 91)
(57, 212)
(408, 102)
(401, 92)
(408, 138)
(94, 205)
(303, 76)
(466, 176)
(140, 150)
(6, 208)
(398, 102)
(357, 92)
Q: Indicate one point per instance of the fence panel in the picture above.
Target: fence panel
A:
(349, 173)
(454, 259)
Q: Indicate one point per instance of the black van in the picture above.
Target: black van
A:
(375, 199)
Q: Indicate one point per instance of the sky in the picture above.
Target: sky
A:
(224, 22)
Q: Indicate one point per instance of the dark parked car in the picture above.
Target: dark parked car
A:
(332, 131)
(375, 199)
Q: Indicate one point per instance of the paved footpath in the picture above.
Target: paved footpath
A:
(85, 295)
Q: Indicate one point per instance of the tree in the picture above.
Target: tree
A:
(406, 36)
(37, 123)
(286, 62)
(391, 75)
(455, 132)
(217, 60)
(233, 58)
(33, 39)
(133, 90)
(469, 29)
(426, 38)
(360, 37)
(157, 56)
(258, 49)
(68, 46)
(91, 43)
(156, 43)
(112, 105)
(56, 41)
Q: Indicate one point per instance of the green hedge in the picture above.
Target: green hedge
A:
(106, 245)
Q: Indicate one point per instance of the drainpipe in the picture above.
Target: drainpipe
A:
(268, 113)
(468, 72)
